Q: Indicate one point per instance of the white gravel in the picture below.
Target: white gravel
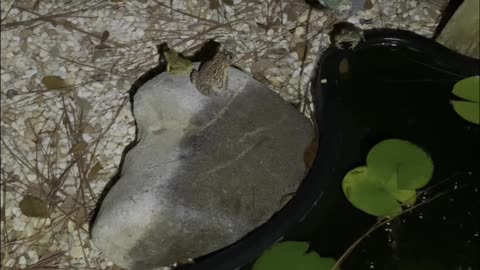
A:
(45, 131)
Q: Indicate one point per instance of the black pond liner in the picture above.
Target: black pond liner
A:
(351, 121)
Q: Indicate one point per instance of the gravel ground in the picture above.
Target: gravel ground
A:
(67, 66)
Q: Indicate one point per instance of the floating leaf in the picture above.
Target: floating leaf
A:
(468, 88)
(92, 174)
(34, 207)
(404, 196)
(469, 111)
(78, 147)
(369, 194)
(54, 82)
(413, 166)
(292, 255)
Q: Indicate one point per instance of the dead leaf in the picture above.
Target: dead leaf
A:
(228, 2)
(343, 66)
(368, 5)
(213, 4)
(54, 82)
(40, 191)
(261, 65)
(263, 26)
(47, 260)
(92, 174)
(116, 267)
(302, 48)
(310, 153)
(81, 217)
(102, 47)
(34, 207)
(88, 128)
(78, 147)
(104, 36)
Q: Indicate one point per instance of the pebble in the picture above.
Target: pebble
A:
(11, 93)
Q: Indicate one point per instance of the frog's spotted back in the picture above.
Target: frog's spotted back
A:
(212, 78)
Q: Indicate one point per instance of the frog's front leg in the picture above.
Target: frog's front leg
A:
(193, 76)
(354, 44)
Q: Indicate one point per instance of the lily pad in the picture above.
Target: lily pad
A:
(369, 194)
(412, 165)
(292, 255)
(468, 110)
(468, 88)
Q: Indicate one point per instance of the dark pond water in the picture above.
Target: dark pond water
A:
(395, 92)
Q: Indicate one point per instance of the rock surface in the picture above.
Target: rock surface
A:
(206, 170)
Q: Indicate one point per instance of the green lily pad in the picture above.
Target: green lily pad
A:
(404, 196)
(468, 110)
(369, 194)
(412, 165)
(292, 255)
(468, 88)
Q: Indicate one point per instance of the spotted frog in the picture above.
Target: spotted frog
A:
(351, 35)
(212, 78)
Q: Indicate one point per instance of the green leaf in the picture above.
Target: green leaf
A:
(405, 196)
(34, 207)
(469, 111)
(468, 88)
(413, 166)
(292, 255)
(369, 194)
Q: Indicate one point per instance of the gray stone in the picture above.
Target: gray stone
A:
(206, 170)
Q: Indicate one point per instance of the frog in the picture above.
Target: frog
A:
(212, 78)
(349, 34)
(177, 64)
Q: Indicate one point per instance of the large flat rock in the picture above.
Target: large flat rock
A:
(206, 170)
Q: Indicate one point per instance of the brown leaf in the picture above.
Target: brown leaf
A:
(116, 267)
(310, 153)
(228, 2)
(78, 147)
(54, 82)
(92, 174)
(368, 5)
(104, 36)
(34, 207)
(81, 217)
(47, 260)
(302, 48)
(213, 4)
(263, 26)
(261, 65)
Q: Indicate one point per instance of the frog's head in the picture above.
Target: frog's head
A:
(225, 56)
